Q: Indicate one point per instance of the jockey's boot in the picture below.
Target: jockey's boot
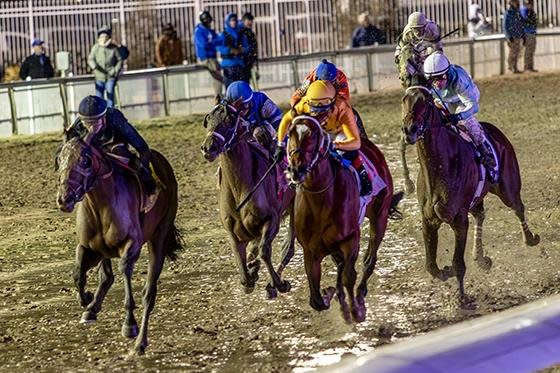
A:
(487, 156)
(365, 181)
(150, 187)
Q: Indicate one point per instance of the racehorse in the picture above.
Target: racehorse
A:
(327, 205)
(243, 162)
(110, 225)
(448, 179)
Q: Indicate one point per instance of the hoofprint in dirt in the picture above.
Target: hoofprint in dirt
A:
(203, 321)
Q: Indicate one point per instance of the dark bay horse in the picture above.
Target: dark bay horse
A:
(448, 179)
(110, 225)
(242, 164)
(327, 214)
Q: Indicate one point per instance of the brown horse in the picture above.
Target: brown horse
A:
(242, 164)
(110, 225)
(448, 179)
(327, 214)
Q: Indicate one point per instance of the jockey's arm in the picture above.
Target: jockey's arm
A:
(128, 132)
(468, 93)
(300, 92)
(271, 113)
(343, 88)
(283, 127)
(349, 127)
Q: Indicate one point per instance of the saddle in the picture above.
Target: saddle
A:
(121, 157)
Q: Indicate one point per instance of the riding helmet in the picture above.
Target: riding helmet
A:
(92, 107)
(326, 71)
(239, 90)
(417, 20)
(435, 65)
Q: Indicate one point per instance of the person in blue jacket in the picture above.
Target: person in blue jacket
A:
(256, 108)
(530, 21)
(514, 31)
(231, 48)
(205, 42)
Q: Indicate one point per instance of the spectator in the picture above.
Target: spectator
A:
(205, 41)
(106, 63)
(169, 50)
(530, 21)
(11, 74)
(231, 49)
(367, 34)
(251, 48)
(513, 30)
(38, 65)
(478, 24)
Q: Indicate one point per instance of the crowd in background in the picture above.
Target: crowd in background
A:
(233, 54)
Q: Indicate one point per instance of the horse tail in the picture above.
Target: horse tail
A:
(394, 213)
(174, 242)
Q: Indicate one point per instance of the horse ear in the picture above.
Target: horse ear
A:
(237, 103)
(218, 99)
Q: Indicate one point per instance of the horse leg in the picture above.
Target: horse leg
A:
(313, 270)
(430, 232)
(240, 252)
(350, 250)
(156, 251)
(460, 227)
(339, 261)
(484, 262)
(269, 231)
(85, 260)
(288, 248)
(377, 227)
(106, 279)
(130, 255)
(408, 183)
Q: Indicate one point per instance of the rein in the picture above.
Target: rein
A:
(321, 152)
(227, 144)
(422, 128)
(87, 173)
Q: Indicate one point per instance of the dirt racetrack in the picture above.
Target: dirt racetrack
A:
(204, 322)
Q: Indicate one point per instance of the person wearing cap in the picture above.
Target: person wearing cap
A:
(457, 95)
(336, 117)
(326, 71)
(367, 34)
(205, 42)
(251, 47)
(98, 124)
(257, 109)
(38, 65)
(169, 49)
(420, 38)
(106, 62)
(232, 47)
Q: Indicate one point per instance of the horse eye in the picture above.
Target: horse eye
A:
(85, 162)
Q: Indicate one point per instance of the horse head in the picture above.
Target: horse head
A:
(307, 144)
(79, 166)
(417, 107)
(223, 124)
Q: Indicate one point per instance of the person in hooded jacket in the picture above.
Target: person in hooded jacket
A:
(230, 46)
(205, 42)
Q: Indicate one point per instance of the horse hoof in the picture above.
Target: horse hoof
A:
(284, 286)
(248, 289)
(86, 299)
(484, 263)
(88, 317)
(136, 351)
(129, 331)
(271, 292)
(467, 303)
(359, 314)
(255, 263)
(533, 241)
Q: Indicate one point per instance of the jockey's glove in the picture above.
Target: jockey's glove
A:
(454, 118)
(280, 153)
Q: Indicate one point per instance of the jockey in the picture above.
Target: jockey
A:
(422, 36)
(457, 95)
(337, 119)
(257, 109)
(100, 124)
(326, 71)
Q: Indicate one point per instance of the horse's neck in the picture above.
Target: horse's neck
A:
(436, 157)
(237, 166)
(320, 177)
(107, 196)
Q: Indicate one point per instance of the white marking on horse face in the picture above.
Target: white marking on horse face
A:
(302, 130)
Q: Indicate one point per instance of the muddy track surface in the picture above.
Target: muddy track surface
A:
(203, 321)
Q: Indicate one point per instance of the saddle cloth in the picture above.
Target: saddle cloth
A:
(377, 185)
